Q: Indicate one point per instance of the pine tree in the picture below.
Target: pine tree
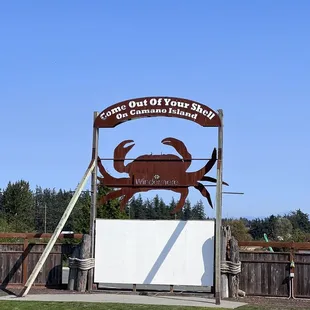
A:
(157, 208)
(18, 206)
(1, 203)
(299, 220)
(149, 209)
(137, 208)
(187, 211)
(198, 212)
(111, 209)
(164, 210)
(81, 214)
(179, 214)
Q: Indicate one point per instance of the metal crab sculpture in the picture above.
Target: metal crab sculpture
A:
(150, 172)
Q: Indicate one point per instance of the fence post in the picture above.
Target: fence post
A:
(25, 260)
(84, 253)
(72, 278)
(233, 279)
(292, 271)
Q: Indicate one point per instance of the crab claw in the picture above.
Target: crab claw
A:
(119, 155)
(173, 142)
(169, 141)
(121, 147)
(180, 148)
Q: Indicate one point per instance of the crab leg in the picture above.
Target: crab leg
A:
(184, 193)
(108, 179)
(197, 175)
(210, 179)
(117, 194)
(111, 195)
(126, 199)
(129, 193)
(204, 193)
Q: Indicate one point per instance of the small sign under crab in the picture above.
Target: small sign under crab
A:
(150, 172)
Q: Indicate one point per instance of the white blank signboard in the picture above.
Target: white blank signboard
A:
(154, 252)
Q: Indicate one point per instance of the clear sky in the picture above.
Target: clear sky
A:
(62, 60)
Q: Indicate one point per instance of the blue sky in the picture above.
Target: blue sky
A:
(62, 60)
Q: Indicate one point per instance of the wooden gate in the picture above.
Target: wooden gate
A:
(265, 274)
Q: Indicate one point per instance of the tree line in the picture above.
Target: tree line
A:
(294, 226)
(24, 210)
(39, 210)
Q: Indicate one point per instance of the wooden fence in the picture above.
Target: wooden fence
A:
(263, 273)
(17, 260)
(278, 274)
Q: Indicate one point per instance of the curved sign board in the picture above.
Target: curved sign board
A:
(157, 106)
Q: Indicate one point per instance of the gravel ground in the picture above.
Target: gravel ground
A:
(277, 303)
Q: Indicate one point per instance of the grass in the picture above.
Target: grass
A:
(38, 305)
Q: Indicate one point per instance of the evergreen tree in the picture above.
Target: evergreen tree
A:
(137, 208)
(111, 209)
(164, 210)
(50, 206)
(40, 210)
(1, 204)
(46, 209)
(299, 220)
(18, 206)
(171, 207)
(156, 207)
(131, 208)
(63, 198)
(198, 212)
(81, 214)
(246, 221)
(187, 211)
(149, 209)
(4, 226)
(259, 227)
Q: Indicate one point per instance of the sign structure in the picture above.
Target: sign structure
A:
(165, 171)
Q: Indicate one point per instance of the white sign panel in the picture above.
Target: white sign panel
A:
(154, 252)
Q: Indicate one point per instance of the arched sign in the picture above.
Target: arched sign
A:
(154, 107)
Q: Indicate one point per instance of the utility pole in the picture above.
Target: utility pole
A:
(45, 218)
(218, 224)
